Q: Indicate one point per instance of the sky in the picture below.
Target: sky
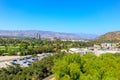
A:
(70, 16)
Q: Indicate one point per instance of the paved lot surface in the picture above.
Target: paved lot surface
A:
(51, 77)
(4, 60)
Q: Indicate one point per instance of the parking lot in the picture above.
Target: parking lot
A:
(23, 61)
(28, 60)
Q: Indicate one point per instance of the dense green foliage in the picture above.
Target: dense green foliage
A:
(29, 46)
(26, 46)
(87, 67)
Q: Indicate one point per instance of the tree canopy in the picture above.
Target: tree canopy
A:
(87, 67)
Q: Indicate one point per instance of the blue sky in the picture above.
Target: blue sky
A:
(71, 16)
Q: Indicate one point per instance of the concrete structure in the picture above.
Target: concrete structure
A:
(37, 36)
(97, 49)
(79, 50)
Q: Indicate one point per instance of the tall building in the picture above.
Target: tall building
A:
(37, 36)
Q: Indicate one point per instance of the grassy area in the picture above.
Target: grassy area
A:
(9, 47)
(2, 47)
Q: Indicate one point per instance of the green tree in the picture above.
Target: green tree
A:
(87, 67)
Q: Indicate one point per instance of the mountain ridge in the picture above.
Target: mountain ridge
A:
(45, 34)
(115, 35)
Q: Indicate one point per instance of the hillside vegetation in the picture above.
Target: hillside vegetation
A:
(110, 36)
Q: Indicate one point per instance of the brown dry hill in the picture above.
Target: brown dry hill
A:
(110, 36)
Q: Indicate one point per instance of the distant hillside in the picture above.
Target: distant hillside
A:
(45, 34)
(110, 36)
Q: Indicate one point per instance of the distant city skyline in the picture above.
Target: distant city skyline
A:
(70, 16)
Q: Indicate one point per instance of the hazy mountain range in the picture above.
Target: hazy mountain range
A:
(46, 34)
